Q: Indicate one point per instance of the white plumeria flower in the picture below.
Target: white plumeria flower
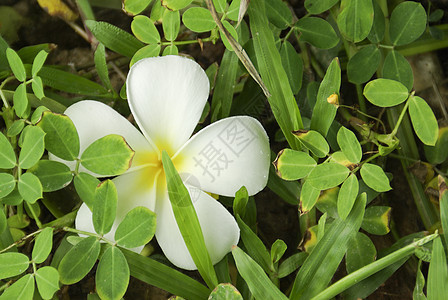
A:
(166, 96)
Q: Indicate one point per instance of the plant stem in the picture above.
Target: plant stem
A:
(69, 229)
(21, 240)
(400, 119)
(35, 216)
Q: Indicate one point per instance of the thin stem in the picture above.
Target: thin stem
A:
(209, 39)
(69, 229)
(400, 118)
(35, 216)
(21, 240)
(5, 102)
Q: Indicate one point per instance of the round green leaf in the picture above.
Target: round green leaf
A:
(375, 177)
(313, 141)
(43, 245)
(423, 121)
(12, 264)
(38, 88)
(293, 165)
(7, 184)
(356, 19)
(376, 34)
(30, 187)
(176, 4)
(396, 67)
(198, 19)
(437, 154)
(38, 62)
(363, 64)
(308, 196)
(47, 280)
(347, 196)
(407, 23)
(147, 51)
(317, 32)
(170, 50)
(134, 7)
(234, 9)
(7, 155)
(79, 260)
(109, 155)
(293, 65)
(104, 207)
(16, 64)
(171, 24)
(225, 291)
(112, 275)
(360, 252)
(377, 220)
(145, 30)
(137, 228)
(278, 13)
(85, 185)
(14, 198)
(220, 5)
(61, 136)
(53, 175)
(16, 128)
(385, 92)
(20, 100)
(316, 7)
(327, 175)
(22, 289)
(32, 148)
(349, 145)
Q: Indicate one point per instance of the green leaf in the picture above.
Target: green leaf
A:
(171, 24)
(137, 228)
(79, 260)
(134, 7)
(363, 64)
(356, 19)
(407, 23)
(289, 191)
(61, 137)
(7, 184)
(114, 38)
(112, 275)
(53, 175)
(220, 5)
(43, 245)
(176, 4)
(145, 30)
(437, 154)
(17, 221)
(233, 11)
(145, 52)
(385, 92)
(3, 221)
(170, 50)
(38, 62)
(259, 284)
(308, 196)
(20, 100)
(240, 202)
(396, 67)
(423, 120)
(232, 32)
(47, 280)
(324, 112)
(327, 175)
(15, 128)
(37, 114)
(347, 196)
(101, 65)
(104, 207)
(7, 155)
(12, 264)
(32, 147)
(377, 220)
(313, 141)
(291, 264)
(109, 155)
(317, 32)
(85, 185)
(349, 145)
(322, 263)
(437, 287)
(316, 7)
(22, 289)
(16, 64)
(293, 165)
(360, 252)
(443, 203)
(418, 293)
(30, 187)
(38, 88)
(277, 250)
(188, 222)
(376, 34)
(375, 177)
(282, 101)
(225, 291)
(278, 13)
(293, 65)
(198, 19)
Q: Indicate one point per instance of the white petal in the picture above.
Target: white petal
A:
(226, 155)
(94, 120)
(134, 189)
(166, 96)
(218, 226)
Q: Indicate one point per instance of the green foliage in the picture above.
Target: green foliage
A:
(293, 165)
(12, 264)
(225, 291)
(104, 207)
(385, 92)
(112, 275)
(137, 228)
